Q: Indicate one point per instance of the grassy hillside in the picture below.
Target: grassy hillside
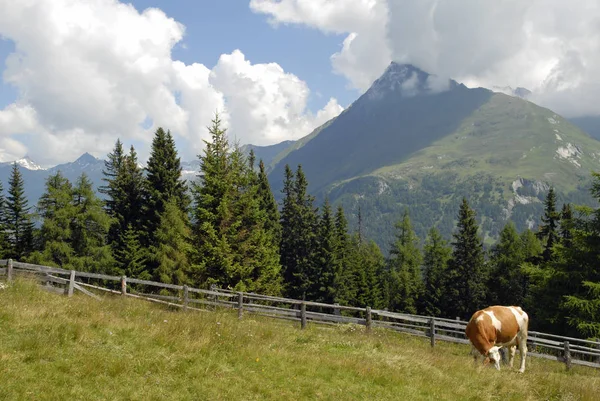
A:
(54, 347)
(509, 137)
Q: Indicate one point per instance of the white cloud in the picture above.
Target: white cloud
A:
(551, 47)
(266, 104)
(89, 72)
(365, 52)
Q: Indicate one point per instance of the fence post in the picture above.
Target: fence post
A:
(336, 311)
(9, 270)
(185, 297)
(432, 332)
(598, 348)
(123, 285)
(71, 284)
(567, 355)
(369, 318)
(302, 315)
(240, 305)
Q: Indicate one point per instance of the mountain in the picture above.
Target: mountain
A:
(267, 153)
(410, 142)
(35, 176)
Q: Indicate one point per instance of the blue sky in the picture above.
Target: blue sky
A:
(217, 27)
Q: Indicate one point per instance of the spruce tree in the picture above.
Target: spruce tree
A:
(566, 226)
(346, 285)
(112, 173)
(233, 247)
(163, 181)
(4, 244)
(436, 254)
(466, 275)
(18, 218)
(326, 256)
(130, 256)
(127, 222)
(268, 205)
(549, 229)
(405, 268)
(508, 284)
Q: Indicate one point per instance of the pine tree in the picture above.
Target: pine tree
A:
(163, 181)
(56, 212)
(405, 268)
(466, 275)
(436, 254)
(18, 219)
(507, 281)
(326, 256)
(549, 229)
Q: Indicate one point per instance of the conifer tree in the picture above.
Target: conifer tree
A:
(130, 256)
(326, 256)
(299, 222)
(112, 173)
(4, 244)
(370, 267)
(163, 181)
(466, 275)
(18, 218)
(268, 205)
(345, 275)
(566, 225)
(89, 229)
(549, 229)
(172, 254)
(56, 211)
(234, 248)
(507, 281)
(405, 268)
(436, 254)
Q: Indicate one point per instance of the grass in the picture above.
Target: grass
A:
(53, 348)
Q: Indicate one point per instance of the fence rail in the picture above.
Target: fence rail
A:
(569, 350)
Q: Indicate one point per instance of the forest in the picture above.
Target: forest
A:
(226, 229)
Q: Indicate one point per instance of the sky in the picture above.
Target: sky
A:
(77, 75)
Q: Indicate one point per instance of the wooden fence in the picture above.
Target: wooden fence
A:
(569, 350)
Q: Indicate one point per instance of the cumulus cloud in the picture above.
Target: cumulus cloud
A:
(264, 101)
(551, 47)
(365, 52)
(89, 72)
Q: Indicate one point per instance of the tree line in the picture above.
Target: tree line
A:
(227, 229)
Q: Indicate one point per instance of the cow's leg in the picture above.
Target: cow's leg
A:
(494, 355)
(512, 350)
(522, 349)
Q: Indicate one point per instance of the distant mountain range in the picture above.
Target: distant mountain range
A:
(35, 176)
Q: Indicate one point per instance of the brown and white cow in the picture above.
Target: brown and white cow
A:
(495, 327)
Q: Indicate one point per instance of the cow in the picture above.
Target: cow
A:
(495, 327)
